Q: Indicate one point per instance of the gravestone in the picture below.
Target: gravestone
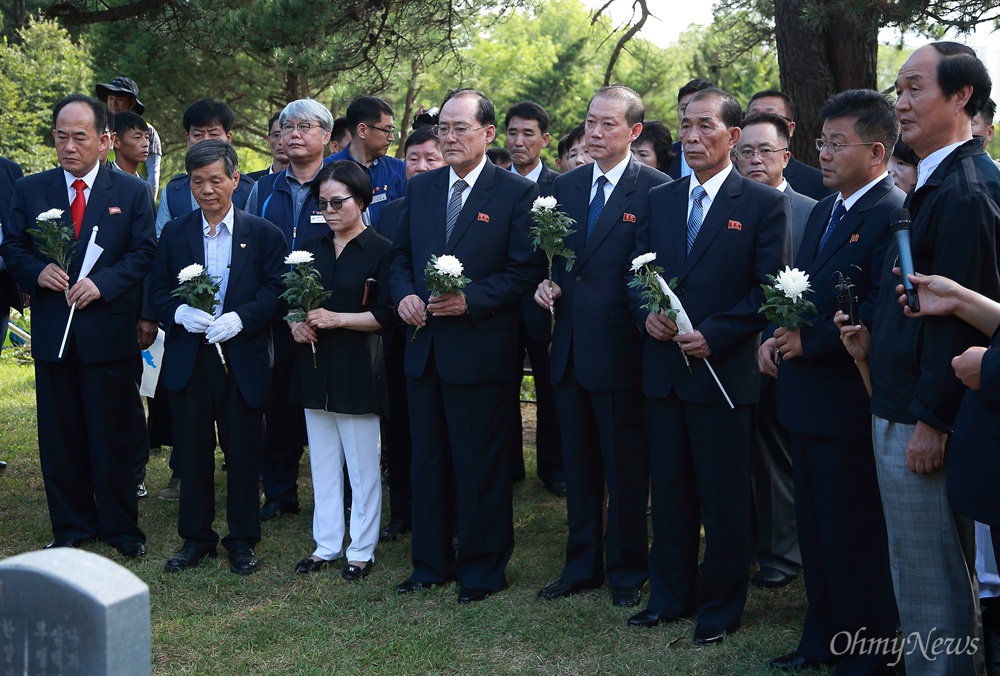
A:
(67, 611)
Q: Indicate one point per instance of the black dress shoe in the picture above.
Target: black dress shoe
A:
(272, 508)
(626, 598)
(468, 595)
(311, 565)
(396, 529)
(58, 543)
(140, 490)
(410, 586)
(771, 578)
(558, 589)
(187, 557)
(352, 573)
(793, 661)
(131, 549)
(705, 635)
(242, 561)
(645, 618)
(557, 488)
(3, 465)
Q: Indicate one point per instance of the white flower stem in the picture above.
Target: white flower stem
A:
(313, 346)
(218, 348)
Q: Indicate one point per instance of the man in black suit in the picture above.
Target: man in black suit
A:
(804, 179)
(679, 167)
(596, 357)
(821, 398)
(85, 442)
(279, 160)
(762, 155)
(461, 363)
(955, 207)
(246, 255)
(719, 234)
(421, 152)
(527, 125)
(10, 295)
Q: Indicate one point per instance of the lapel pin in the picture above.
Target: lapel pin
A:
(735, 225)
(114, 211)
(243, 245)
(628, 218)
(483, 217)
(855, 237)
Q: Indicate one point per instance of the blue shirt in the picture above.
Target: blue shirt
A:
(387, 176)
(219, 254)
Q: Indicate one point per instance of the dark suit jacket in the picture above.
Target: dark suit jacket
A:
(593, 321)
(743, 238)
(801, 206)
(546, 179)
(675, 166)
(9, 294)
(121, 208)
(257, 175)
(256, 267)
(821, 393)
(387, 223)
(538, 322)
(492, 242)
(805, 180)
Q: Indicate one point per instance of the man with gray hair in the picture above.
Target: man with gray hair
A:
(246, 255)
(284, 199)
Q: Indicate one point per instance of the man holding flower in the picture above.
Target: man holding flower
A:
(241, 259)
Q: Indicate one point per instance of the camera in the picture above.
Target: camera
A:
(847, 298)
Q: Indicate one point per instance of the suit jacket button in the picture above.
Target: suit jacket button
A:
(679, 290)
(579, 278)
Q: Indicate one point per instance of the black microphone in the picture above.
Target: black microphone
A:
(900, 224)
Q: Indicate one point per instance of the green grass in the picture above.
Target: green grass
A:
(208, 621)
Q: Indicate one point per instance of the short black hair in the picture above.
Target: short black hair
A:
(486, 114)
(204, 112)
(498, 155)
(340, 129)
(730, 110)
(212, 151)
(775, 94)
(270, 122)
(102, 115)
(779, 123)
(904, 153)
(575, 134)
(692, 87)
(562, 147)
(419, 137)
(366, 110)
(657, 134)
(874, 117)
(348, 173)
(528, 110)
(989, 111)
(635, 112)
(959, 66)
(126, 120)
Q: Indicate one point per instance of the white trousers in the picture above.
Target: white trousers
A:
(333, 439)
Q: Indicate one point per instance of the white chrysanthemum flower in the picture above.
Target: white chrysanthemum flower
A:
(792, 282)
(543, 204)
(190, 272)
(297, 257)
(639, 261)
(50, 215)
(449, 265)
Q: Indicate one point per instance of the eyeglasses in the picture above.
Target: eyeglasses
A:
(835, 147)
(391, 131)
(302, 127)
(442, 130)
(763, 153)
(335, 203)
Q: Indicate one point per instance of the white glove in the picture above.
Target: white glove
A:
(193, 321)
(224, 328)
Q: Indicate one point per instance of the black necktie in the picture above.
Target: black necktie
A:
(835, 218)
(596, 206)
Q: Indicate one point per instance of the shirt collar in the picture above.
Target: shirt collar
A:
(927, 165)
(614, 175)
(227, 223)
(88, 179)
(858, 194)
(783, 186)
(712, 185)
(531, 175)
(469, 178)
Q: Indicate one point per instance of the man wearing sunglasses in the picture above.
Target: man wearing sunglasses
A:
(370, 121)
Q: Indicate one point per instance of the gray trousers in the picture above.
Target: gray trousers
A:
(932, 554)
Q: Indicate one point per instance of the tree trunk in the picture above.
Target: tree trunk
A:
(412, 90)
(816, 64)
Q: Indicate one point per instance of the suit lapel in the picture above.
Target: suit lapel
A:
(195, 237)
(849, 224)
(437, 217)
(675, 222)
(576, 202)
(477, 199)
(718, 216)
(241, 250)
(97, 204)
(613, 210)
(815, 228)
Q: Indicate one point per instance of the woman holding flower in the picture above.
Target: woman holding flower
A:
(343, 393)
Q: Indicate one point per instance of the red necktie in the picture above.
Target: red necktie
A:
(78, 206)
